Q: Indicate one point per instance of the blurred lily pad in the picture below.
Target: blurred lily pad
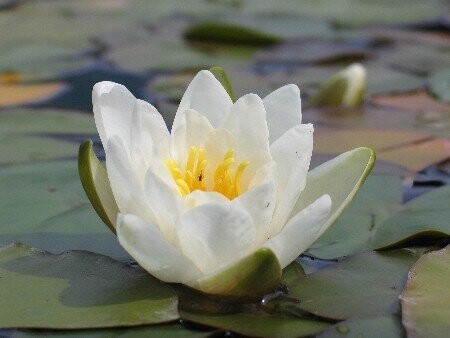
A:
(425, 217)
(425, 301)
(365, 284)
(19, 94)
(439, 84)
(95, 292)
(229, 34)
(389, 326)
(28, 135)
(46, 207)
(379, 197)
(41, 60)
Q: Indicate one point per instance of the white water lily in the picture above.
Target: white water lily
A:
(225, 198)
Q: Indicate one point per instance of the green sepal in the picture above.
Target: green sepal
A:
(222, 76)
(250, 278)
(346, 88)
(94, 179)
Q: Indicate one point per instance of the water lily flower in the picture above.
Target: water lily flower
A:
(224, 201)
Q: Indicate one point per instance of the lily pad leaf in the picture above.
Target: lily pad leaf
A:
(257, 324)
(95, 181)
(352, 232)
(427, 216)
(439, 84)
(78, 289)
(365, 284)
(255, 275)
(371, 327)
(229, 34)
(425, 301)
(46, 207)
(17, 94)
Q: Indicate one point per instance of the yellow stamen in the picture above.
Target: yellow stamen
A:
(193, 178)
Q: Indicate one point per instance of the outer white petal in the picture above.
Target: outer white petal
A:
(149, 137)
(192, 130)
(284, 110)
(206, 95)
(292, 155)
(144, 242)
(247, 123)
(215, 235)
(125, 184)
(301, 231)
(113, 106)
(166, 203)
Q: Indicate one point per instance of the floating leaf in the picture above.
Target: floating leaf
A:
(439, 84)
(425, 217)
(28, 135)
(257, 325)
(229, 34)
(365, 284)
(150, 331)
(78, 289)
(221, 75)
(17, 94)
(425, 300)
(370, 327)
(380, 196)
(47, 207)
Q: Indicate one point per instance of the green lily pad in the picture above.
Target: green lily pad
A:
(19, 148)
(379, 197)
(229, 34)
(222, 76)
(257, 325)
(28, 135)
(46, 207)
(78, 289)
(425, 300)
(425, 217)
(153, 331)
(370, 327)
(365, 284)
(46, 121)
(439, 84)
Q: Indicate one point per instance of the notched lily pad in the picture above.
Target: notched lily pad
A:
(78, 289)
(365, 284)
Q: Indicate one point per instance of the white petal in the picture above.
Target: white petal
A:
(125, 184)
(144, 242)
(284, 110)
(149, 137)
(192, 130)
(206, 95)
(199, 197)
(215, 235)
(292, 155)
(166, 203)
(340, 177)
(301, 231)
(260, 204)
(247, 123)
(113, 106)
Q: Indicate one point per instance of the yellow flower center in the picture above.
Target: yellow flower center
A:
(226, 181)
